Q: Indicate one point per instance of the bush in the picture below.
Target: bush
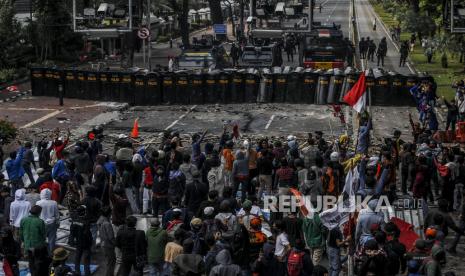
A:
(162, 39)
(8, 132)
(7, 75)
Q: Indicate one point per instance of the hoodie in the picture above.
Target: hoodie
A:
(227, 219)
(366, 218)
(157, 239)
(49, 212)
(225, 266)
(14, 168)
(241, 164)
(19, 208)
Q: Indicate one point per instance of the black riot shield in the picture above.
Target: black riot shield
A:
(197, 80)
(169, 88)
(141, 93)
(70, 85)
(309, 85)
(182, 87)
(322, 88)
(294, 86)
(335, 87)
(37, 81)
(92, 86)
(154, 88)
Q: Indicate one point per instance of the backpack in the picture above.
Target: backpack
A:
(199, 242)
(295, 263)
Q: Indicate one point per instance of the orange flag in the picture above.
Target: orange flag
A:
(135, 129)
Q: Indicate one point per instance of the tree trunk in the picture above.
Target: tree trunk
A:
(215, 11)
(183, 24)
(242, 16)
(415, 5)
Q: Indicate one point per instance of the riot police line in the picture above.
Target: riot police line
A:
(266, 85)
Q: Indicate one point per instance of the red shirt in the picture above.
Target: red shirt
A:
(59, 149)
(52, 186)
(148, 179)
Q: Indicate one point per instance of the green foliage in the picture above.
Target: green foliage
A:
(8, 132)
(418, 23)
(7, 75)
(57, 40)
(11, 48)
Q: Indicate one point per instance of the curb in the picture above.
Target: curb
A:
(16, 96)
(16, 82)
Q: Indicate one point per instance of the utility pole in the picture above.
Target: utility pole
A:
(149, 45)
(310, 15)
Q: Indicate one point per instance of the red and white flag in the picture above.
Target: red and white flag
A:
(356, 97)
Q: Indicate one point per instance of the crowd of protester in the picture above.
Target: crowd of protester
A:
(203, 201)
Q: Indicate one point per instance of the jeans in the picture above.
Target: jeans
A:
(62, 180)
(146, 198)
(132, 200)
(51, 230)
(159, 205)
(266, 182)
(167, 269)
(227, 178)
(126, 266)
(82, 253)
(110, 260)
(404, 177)
(381, 59)
(456, 240)
(156, 269)
(93, 231)
(334, 255)
(16, 184)
(28, 170)
(458, 196)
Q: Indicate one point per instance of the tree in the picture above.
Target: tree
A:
(215, 11)
(10, 31)
(8, 132)
(57, 40)
(182, 13)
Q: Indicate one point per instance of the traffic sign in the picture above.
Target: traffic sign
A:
(143, 33)
(219, 28)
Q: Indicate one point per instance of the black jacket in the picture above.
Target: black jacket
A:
(93, 206)
(196, 192)
(84, 236)
(132, 243)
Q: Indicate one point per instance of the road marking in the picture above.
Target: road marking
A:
(41, 119)
(29, 109)
(180, 118)
(270, 121)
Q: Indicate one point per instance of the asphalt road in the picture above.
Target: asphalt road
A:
(333, 11)
(365, 17)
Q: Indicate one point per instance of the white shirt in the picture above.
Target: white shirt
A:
(281, 243)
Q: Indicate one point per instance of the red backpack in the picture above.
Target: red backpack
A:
(295, 263)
